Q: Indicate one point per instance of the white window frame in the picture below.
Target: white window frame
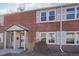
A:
(47, 33)
(48, 38)
(40, 17)
(76, 12)
(70, 13)
(49, 15)
(74, 37)
(66, 14)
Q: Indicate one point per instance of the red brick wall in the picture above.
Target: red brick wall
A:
(71, 25)
(29, 19)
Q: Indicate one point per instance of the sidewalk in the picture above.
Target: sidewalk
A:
(5, 51)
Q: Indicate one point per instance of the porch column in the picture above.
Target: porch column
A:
(14, 36)
(25, 38)
(5, 39)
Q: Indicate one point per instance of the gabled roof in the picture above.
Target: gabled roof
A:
(17, 27)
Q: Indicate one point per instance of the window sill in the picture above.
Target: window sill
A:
(51, 43)
(46, 21)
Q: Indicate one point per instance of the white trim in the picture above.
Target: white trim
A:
(14, 35)
(5, 39)
(74, 37)
(56, 15)
(39, 37)
(25, 40)
(38, 15)
(48, 38)
(57, 40)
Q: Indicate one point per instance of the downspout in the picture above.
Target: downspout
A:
(61, 31)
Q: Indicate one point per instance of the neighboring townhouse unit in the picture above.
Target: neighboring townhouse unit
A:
(58, 26)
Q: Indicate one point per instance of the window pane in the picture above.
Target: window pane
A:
(43, 36)
(70, 37)
(70, 41)
(78, 10)
(51, 38)
(43, 14)
(43, 18)
(70, 16)
(51, 17)
(52, 13)
(70, 9)
(77, 15)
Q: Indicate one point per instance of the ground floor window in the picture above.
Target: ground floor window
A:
(49, 37)
(70, 38)
(70, 41)
(77, 37)
(43, 36)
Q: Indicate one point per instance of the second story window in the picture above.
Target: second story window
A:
(70, 13)
(43, 16)
(77, 12)
(52, 15)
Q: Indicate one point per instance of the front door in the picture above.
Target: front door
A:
(17, 40)
(22, 40)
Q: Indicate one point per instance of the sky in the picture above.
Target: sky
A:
(12, 7)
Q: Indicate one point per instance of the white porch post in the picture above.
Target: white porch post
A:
(14, 36)
(25, 38)
(5, 39)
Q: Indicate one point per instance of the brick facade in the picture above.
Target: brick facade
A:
(28, 19)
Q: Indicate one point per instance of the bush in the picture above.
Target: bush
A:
(41, 47)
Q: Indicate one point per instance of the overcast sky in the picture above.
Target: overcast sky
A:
(12, 7)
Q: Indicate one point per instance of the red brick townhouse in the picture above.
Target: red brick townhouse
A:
(58, 26)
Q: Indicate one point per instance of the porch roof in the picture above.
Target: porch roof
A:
(17, 27)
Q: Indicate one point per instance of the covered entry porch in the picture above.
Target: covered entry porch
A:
(16, 37)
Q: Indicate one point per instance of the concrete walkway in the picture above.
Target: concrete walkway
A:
(5, 51)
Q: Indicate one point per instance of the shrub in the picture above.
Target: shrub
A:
(41, 47)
